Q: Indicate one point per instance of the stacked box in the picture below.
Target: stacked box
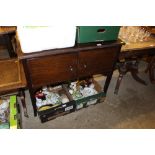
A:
(89, 100)
(86, 34)
(49, 111)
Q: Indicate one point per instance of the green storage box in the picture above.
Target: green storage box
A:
(86, 34)
(84, 102)
(89, 100)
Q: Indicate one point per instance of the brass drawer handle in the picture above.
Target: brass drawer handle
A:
(85, 66)
(71, 68)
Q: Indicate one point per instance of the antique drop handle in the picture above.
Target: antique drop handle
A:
(71, 68)
(85, 66)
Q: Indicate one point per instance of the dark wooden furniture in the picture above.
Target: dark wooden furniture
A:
(61, 65)
(12, 76)
(12, 80)
(129, 58)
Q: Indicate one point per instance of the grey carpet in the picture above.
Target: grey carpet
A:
(133, 107)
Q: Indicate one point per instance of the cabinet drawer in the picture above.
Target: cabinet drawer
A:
(97, 61)
(52, 69)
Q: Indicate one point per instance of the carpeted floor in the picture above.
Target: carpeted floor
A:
(133, 107)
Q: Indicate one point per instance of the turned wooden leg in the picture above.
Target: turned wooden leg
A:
(119, 80)
(151, 69)
(133, 68)
(122, 68)
(22, 97)
(137, 78)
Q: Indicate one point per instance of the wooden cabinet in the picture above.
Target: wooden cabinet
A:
(58, 68)
(61, 65)
(52, 69)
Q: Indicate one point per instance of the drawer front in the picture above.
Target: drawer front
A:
(97, 61)
(52, 69)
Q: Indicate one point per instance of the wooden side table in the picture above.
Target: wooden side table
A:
(129, 58)
(12, 79)
(12, 76)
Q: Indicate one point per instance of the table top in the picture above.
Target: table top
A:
(76, 48)
(150, 43)
(139, 49)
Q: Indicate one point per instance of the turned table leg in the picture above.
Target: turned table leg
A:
(32, 95)
(128, 66)
(133, 68)
(119, 80)
(122, 71)
(151, 69)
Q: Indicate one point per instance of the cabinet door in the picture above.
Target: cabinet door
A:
(52, 69)
(97, 61)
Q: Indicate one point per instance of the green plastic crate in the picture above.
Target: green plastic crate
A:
(83, 102)
(4, 126)
(86, 34)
